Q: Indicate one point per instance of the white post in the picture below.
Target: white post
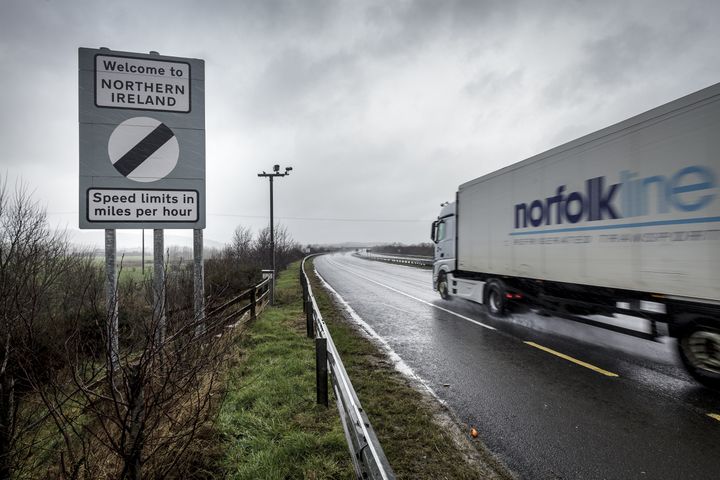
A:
(199, 281)
(112, 300)
(159, 284)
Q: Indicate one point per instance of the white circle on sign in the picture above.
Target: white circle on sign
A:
(143, 149)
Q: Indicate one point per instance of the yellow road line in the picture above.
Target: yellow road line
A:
(714, 415)
(574, 360)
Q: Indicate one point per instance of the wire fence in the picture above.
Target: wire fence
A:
(367, 454)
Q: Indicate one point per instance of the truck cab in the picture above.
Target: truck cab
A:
(443, 236)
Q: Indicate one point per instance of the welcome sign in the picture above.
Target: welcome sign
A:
(142, 140)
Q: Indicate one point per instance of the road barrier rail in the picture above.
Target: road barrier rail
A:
(414, 260)
(367, 454)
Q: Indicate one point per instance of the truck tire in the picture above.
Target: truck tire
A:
(699, 347)
(495, 299)
(443, 287)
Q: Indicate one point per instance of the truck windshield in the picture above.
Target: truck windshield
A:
(441, 231)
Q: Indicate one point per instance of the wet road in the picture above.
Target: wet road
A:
(542, 414)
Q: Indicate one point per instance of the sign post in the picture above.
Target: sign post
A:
(113, 348)
(142, 155)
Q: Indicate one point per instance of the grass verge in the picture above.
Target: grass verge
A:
(269, 422)
(272, 428)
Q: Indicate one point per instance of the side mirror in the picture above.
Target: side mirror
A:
(433, 231)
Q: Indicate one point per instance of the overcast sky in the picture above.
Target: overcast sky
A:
(382, 108)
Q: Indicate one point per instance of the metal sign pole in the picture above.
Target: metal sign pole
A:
(159, 284)
(199, 281)
(143, 251)
(112, 300)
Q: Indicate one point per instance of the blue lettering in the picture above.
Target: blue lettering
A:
(520, 214)
(662, 189)
(536, 206)
(557, 199)
(675, 190)
(574, 217)
(598, 202)
(604, 202)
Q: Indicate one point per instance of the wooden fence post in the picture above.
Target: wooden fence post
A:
(253, 311)
(304, 291)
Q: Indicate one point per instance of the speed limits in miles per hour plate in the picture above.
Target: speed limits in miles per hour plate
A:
(143, 149)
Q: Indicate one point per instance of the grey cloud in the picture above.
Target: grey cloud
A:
(492, 83)
(295, 84)
(620, 58)
(408, 27)
(301, 83)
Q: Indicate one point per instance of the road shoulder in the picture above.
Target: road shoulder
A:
(420, 435)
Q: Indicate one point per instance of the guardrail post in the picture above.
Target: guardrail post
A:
(304, 291)
(321, 370)
(309, 319)
(302, 284)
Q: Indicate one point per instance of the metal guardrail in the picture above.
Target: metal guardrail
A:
(400, 259)
(367, 454)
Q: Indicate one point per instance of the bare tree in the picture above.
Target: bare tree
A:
(140, 422)
(138, 419)
(127, 422)
(287, 250)
(33, 262)
(241, 246)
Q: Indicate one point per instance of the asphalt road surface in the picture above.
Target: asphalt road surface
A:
(627, 411)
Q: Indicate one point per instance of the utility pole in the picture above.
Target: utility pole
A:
(271, 177)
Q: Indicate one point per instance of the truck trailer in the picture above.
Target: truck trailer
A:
(623, 221)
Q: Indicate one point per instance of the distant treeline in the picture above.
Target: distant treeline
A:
(420, 249)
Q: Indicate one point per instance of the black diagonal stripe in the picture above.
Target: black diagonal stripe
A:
(140, 152)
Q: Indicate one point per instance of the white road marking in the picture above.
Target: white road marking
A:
(398, 362)
(468, 319)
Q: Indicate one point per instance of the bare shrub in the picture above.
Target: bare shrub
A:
(137, 419)
(65, 410)
(238, 265)
(42, 282)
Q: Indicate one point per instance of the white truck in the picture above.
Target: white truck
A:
(625, 220)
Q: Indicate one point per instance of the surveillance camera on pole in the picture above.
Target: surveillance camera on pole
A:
(271, 176)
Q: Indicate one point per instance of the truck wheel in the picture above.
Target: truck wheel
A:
(700, 353)
(495, 299)
(443, 287)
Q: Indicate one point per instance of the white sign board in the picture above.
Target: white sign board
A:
(127, 205)
(143, 149)
(142, 140)
(126, 82)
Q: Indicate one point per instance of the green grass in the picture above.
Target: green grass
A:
(270, 424)
(136, 274)
(272, 428)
